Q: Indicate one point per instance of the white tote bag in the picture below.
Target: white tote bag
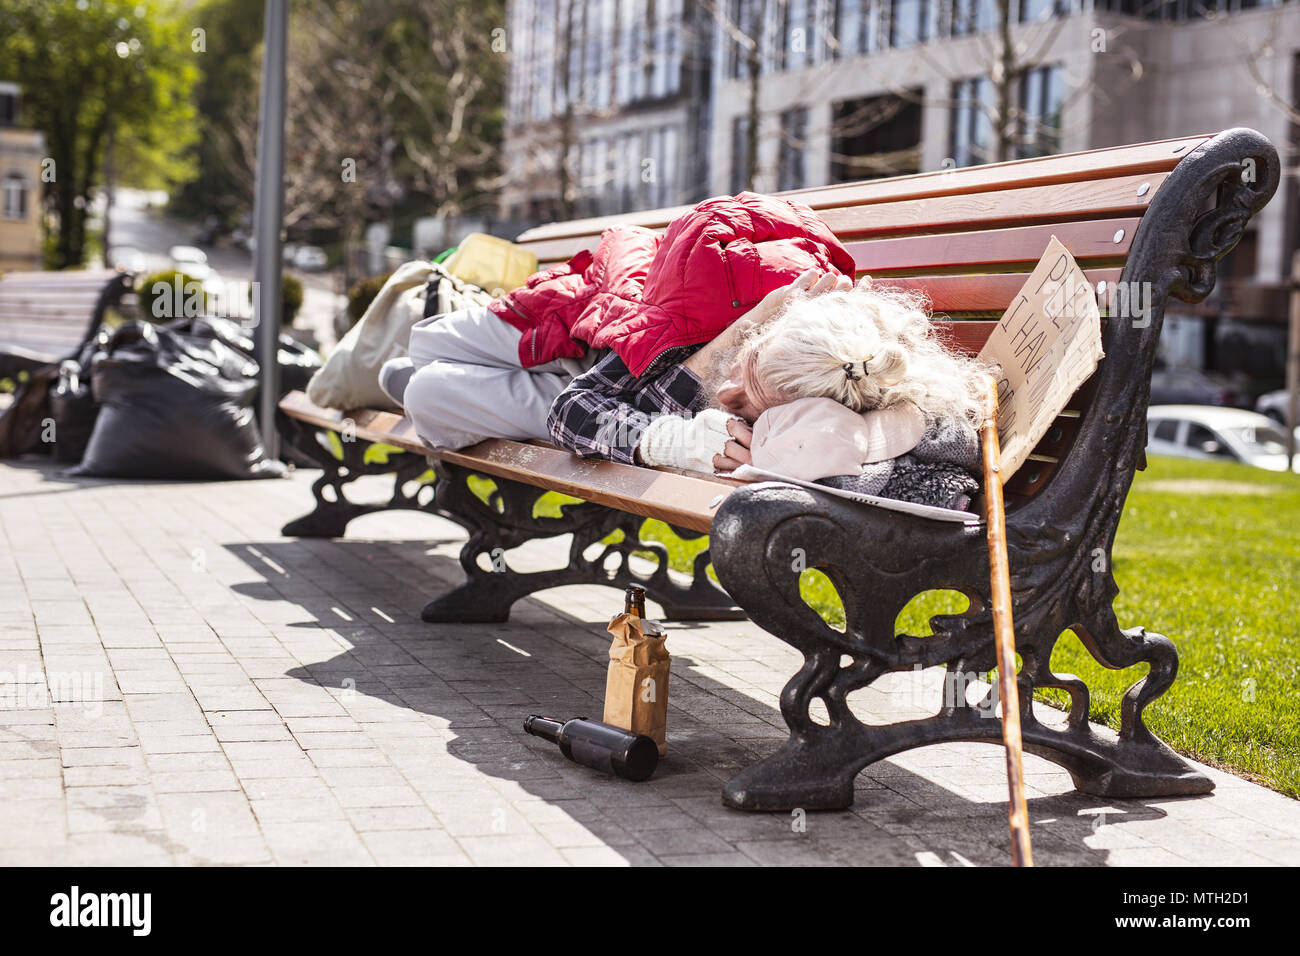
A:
(350, 378)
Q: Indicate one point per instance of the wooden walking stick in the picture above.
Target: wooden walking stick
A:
(1004, 635)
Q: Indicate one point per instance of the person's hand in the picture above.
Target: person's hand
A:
(810, 281)
(736, 451)
(712, 440)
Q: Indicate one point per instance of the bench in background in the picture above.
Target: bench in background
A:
(49, 316)
(1160, 214)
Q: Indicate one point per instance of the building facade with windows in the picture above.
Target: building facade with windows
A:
(786, 94)
(606, 107)
(21, 153)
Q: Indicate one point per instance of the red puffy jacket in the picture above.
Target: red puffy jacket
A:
(641, 296)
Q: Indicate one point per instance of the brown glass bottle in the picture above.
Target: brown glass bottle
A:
(634, 601)
(599, 746)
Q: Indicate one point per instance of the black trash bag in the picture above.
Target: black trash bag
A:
(174, 404)
(74, 410)
(297, 362)
(25, 426)
(73, 406)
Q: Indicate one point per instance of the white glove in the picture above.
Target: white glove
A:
(686, 443)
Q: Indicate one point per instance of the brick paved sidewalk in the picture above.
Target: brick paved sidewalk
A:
(224, 695)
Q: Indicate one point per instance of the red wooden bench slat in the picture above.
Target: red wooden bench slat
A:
(684, 499)
(50, 289)
(1092, 199)
(52, 313)
(877, 254)
(976, 292)
(56, 335)
(59, 277)
(1031, 477)
(1152, 157)
(1094, 239)
(560, 250)
(56, 280)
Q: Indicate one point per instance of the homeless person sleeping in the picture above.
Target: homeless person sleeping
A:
(737, 338)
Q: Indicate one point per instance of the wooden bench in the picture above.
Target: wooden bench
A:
(1156, 215)
(49, 316)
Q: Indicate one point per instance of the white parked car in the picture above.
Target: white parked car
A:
(1273, 404)
(126, 257)
(193, 262)
(1212, 432)
(310, 258)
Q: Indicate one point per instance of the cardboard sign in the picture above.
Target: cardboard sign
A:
(636, 686)
(1046, 344)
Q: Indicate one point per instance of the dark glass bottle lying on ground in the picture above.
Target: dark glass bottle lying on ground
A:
(599, 746)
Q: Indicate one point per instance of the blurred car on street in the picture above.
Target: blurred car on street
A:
(1190, 386)
(127, 258)
(1208, 433)
(190, 260)
(309, 258)
(1273, 404)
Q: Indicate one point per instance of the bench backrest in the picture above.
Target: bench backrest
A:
(968, 238)
(47, 315)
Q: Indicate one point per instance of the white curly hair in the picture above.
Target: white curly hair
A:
(865, 348)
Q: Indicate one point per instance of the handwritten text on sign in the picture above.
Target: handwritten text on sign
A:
(1046, 344)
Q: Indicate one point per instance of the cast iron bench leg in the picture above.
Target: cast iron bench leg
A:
(504, 521)
(334, 510)
(1060, 543)
(878, 565)
(509, 517)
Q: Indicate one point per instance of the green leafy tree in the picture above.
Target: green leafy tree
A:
(447, 70)
(227, 89)
(388, 101)
(95, 73)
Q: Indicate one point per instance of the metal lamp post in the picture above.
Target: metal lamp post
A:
(268, 210)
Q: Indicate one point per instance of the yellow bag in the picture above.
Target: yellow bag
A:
(493, 264)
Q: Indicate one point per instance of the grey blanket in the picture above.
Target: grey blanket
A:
(941, 470)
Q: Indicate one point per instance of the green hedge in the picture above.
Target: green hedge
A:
(290, 297)
(362, 294)
(160, 290)
(158, 296)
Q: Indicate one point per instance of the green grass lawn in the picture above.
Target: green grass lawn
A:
(1208, 554)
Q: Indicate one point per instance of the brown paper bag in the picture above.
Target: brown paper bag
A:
(636, 689)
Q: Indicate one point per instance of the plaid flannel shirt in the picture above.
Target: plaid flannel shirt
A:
(602, 413)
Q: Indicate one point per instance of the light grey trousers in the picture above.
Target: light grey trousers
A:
(462, 381)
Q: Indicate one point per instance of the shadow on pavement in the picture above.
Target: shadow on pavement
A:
(474, 684)
(54, 474)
